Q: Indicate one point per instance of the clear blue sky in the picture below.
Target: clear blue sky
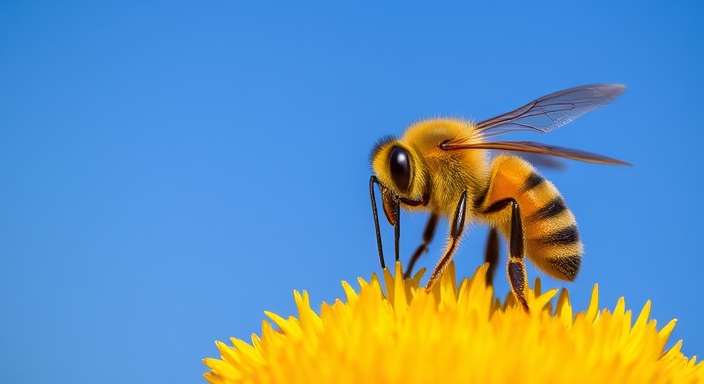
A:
(170, 170)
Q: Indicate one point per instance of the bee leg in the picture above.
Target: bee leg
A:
(427, 238)
(373, 180)
(397, 227)
(456, 228)
(491, 254)
(392, 210)
(516, 263)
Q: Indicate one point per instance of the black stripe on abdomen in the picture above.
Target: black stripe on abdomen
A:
(567, 235)
(531, 182)
(550, 210)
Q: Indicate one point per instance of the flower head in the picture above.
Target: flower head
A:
(454, 334)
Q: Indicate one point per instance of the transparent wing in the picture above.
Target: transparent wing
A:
(531, 147)
(542, 161)
(552, 111)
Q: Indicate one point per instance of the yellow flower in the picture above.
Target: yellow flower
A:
(451, 335)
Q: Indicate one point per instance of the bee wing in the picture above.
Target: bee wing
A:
(531, 147)
(552, 111)
(542, 161)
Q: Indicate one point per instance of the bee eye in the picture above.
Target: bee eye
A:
(400, 168)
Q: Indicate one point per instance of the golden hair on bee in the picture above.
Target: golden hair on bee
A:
(442, 166)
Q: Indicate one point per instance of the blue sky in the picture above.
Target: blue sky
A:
(170, 170)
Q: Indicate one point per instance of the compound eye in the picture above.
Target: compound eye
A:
(400, 168)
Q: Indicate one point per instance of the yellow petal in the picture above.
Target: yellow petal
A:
(455, 333)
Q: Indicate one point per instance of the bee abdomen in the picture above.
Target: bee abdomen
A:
(552, 239)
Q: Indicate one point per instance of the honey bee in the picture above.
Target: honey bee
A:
(442, 166)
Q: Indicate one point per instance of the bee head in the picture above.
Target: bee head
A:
(394, 165)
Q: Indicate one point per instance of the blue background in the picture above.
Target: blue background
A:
(168, 171)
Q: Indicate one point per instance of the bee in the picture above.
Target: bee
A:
(442, 166)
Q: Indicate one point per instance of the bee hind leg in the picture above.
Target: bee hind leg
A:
(516, 263)
(491, 254)
(427, 238)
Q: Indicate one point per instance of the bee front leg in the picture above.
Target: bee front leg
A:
(491, 254)
(427, 238)
(397, 228)
(373, 180)
(456, 229)
(516, 264)
(392, 210)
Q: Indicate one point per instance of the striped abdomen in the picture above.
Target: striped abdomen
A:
(550, 230)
